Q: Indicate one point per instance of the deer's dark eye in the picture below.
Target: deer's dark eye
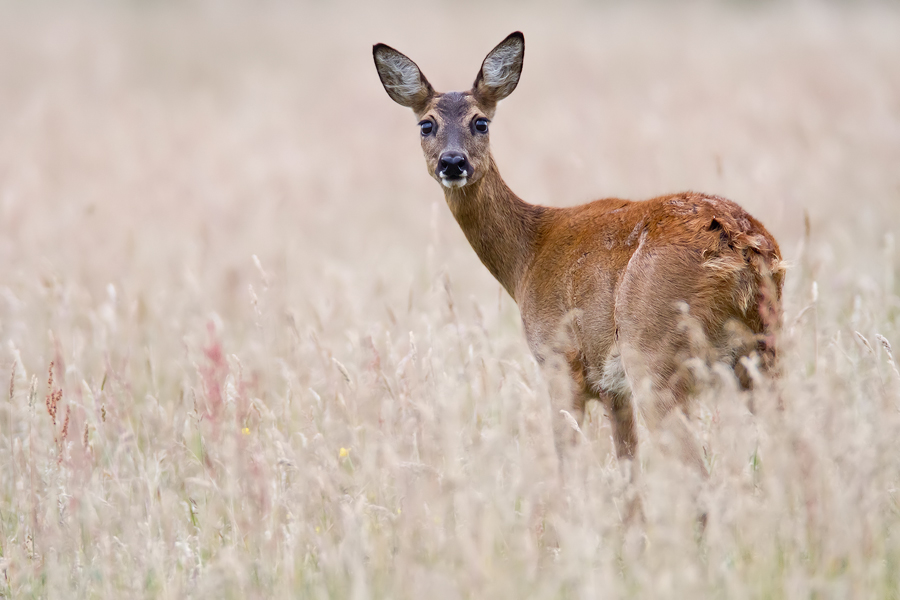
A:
(427, 127)
(481, 125)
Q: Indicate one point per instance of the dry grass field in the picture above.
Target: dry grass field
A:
(279, 370)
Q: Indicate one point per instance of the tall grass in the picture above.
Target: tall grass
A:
(249, 353)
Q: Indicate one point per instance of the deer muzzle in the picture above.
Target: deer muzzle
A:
(454, 169)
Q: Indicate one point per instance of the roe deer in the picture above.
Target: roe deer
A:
(623, 295)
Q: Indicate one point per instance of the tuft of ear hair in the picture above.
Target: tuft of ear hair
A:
(402, 79)
(500, 71)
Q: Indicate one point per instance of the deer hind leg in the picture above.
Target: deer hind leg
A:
(609, 384)
(663, 405)
(614, 392)
(624, 425)
(662, 394)
(620, 408)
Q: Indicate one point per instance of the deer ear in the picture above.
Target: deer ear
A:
(500, 71)
(401, 78)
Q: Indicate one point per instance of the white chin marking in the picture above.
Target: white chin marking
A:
(454, 183)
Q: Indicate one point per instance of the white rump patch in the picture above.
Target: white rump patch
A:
(613, 379)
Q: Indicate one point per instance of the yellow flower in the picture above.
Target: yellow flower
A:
(344, 453)
(245, 431)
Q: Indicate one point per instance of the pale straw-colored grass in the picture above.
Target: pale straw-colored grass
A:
(285, 373)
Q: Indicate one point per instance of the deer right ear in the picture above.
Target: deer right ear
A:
(500, 72)
(401, 78)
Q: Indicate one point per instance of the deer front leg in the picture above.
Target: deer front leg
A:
(567, 402)
(565, 380)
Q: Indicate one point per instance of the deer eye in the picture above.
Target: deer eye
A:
(481, 125)
(427, 127)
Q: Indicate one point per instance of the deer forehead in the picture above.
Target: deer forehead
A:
(455, 106)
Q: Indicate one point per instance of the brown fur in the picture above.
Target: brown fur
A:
(622, 295)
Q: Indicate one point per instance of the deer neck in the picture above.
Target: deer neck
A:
(499, 225)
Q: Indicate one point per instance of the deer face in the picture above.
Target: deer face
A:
(454, 126)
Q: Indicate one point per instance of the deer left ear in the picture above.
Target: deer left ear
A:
(500, 71)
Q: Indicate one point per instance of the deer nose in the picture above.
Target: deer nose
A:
(453, 165)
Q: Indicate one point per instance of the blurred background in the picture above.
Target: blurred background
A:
(288, 373)
(161, 144)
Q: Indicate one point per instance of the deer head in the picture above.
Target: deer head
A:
(454, 125)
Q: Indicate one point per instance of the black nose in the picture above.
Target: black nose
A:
(453, 165)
